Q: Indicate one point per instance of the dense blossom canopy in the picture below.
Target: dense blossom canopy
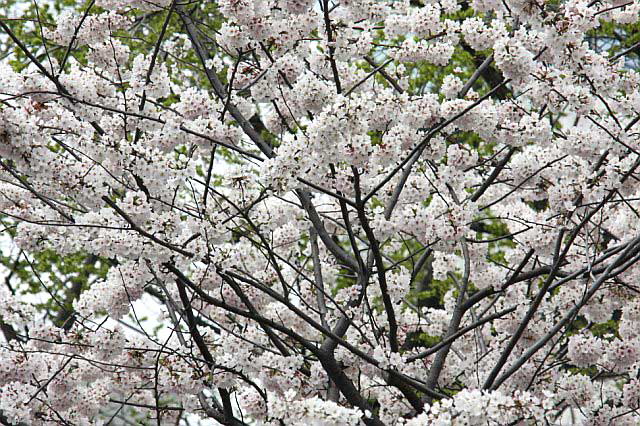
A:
(356, 212)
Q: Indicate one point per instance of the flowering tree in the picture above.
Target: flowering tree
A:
(364, 212)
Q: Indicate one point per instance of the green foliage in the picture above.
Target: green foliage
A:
(606, 329)
(427, 340)
(615, 38)
(61, 277)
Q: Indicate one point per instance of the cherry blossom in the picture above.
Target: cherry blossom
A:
(322, 213)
